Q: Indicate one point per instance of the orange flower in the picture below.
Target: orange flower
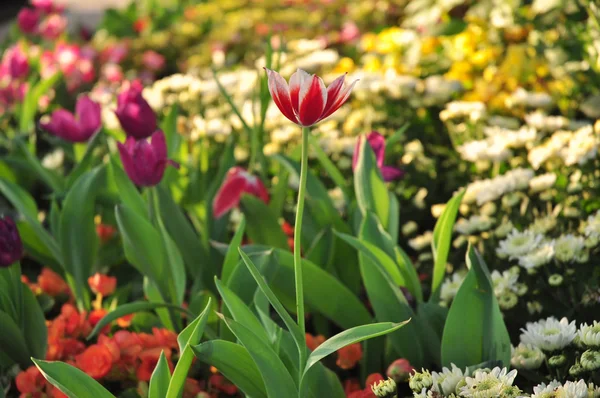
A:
(51, 283)
(102, 284)
(314, 341)
(54, 392)
(95, 317)
(76, 323)
(111, 345)
(130, 345)
(71, 347)
(192, 388)
(105, 232)
(165, 338)
(348, 356)
(29, 381)
(220, 383)
(125, 321)
(96, 361)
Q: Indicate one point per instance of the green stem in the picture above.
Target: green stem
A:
(298, 244)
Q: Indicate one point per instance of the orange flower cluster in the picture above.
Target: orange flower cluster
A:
(48, 282)
(349, 356)
(353, 389)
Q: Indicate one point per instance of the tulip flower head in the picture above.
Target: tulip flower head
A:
(28, 20)
(306, 101)
(11, 247)
(377, 142)
(237, 182)
(79, 127)
(145, 162)
(134, 113)
(15, 62)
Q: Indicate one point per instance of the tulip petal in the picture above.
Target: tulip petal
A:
(312, 98)
(230, 193)
(296, 81)
(127, 161)
(377, 142)
(147, 164)
(159, 145)
(89, 116)
(334, 90)
(281, 94)
(63, 124)
(390, 173)
(356, 150)
(339, 101)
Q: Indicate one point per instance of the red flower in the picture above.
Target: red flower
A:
(29, 381)
(220, 383)
(96, 361)
(105, 232)
(145, 162)
(377, 142)
(149, 360)
(125, 321)
(95, 317)
(102, 284)
(348, 356)
(51, 283)
(237, 182)
(306, 101)
(312, 342)
(400, 370)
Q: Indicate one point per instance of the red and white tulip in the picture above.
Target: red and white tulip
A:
(306, 101)
(237, 182)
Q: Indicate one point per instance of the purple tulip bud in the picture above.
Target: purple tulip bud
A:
(79, 127)
(28, 20)
(134, 113)
(11, 248)
(145, 162)
(16, 62)
(377, 142)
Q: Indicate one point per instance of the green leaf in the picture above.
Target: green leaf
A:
(409, 272)
(262, 223)
(475, 331)
(232, 255)
(240, 312)
(70, 380)
(351, 336)
(394, 217)
(280, 382)
(440, 244)
(86, 161)
(169, 126)
(31, 100)
(371, 192)
(190, 336)
(330, 169)
(25, 204)
(50, 178)
(78, 238)
(450, 28)
(12, 342)
(159, 382)
(132, 308)
(34, 323)
(174, 263)
(127, 191)
(235, 363)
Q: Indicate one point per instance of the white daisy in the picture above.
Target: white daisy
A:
(542, 182)
(549, 334)
(518, 244)
(526, 357)
(487, 384)
(445, 382)
(568, 247)
(540, 256)
(589, 334)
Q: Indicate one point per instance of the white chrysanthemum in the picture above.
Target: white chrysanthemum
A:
(592, 226)
(541, 121)
(475, 223)
(503, 282)
(590, 334)
(512, 138)
(573, 389)
(569, 247)
(544, 390)
(549, 334)
(487, 384)
(518, 244)
(542, 182)
(474, 111)
(582, 147)
(540, 256)
(522, 97)
(526, 357)
(445, 382)
(54, 159)
(450, 286)
(542, 225)
(422, 241)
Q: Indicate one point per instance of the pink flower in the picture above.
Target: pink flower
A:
(237, 182)
(79, 127)
(53, 26)
(145, 162)
(400, 370)
(377, 142)
(47, 6)
(349, 32)
(153, 60)
(112, 72)
(134, 113)
(67, 56)
(28, 20)
(17, 63)
(306, 101)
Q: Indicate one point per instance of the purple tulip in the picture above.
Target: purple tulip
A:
(79, 127)
(16, 63)
(145, 162)
(28, 20)
(377, 142)
(11, 248)
(134, 113)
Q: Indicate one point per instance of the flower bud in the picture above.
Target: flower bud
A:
(134, 113)
(420, 380)
(400, 370)
(28, 20)
(590, 360)
(576, 370)
(145, 162)
(557, 360)
(11, 247)
(555, 280)
(385, 388)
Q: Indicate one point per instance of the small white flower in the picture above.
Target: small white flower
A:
(573, 389)
(549, 334)
(422, 241)
(540, 256)
(518, 244)
(569, 247)
(487, 384)
(544, 390)
(503, 282)
(445, 382)
(589, 334)
(542, 182)
(475, 223)
(526, 357)
(450, 286)
(592, 227)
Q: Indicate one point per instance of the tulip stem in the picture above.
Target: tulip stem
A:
(298, 243)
